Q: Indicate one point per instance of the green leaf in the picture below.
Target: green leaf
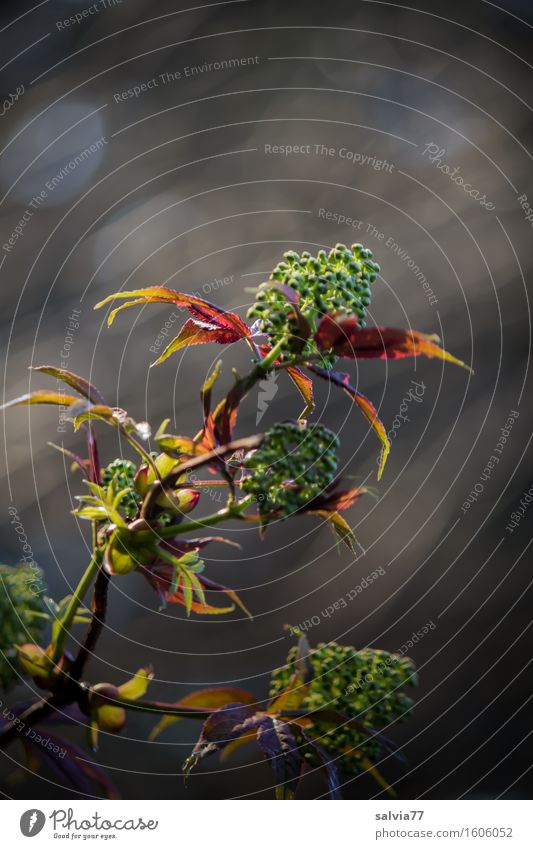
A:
(42, 396)
(74, 381)
(136, 687)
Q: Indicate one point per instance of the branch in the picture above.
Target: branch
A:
(99, 609)
(33, 714)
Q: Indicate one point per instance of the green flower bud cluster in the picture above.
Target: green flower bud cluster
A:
(21, 615)
(123, 473)
(334, 282)
(365, 685)
(293, 465)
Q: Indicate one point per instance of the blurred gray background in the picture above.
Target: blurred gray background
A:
(181, 189)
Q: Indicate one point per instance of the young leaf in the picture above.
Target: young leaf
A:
(213, 585)
(117, 417)
(341, 528)
(176, 446)
(84, 465)
(136, 687)
(344, 337)
(278, 744)
(367, 408)
(224, 725)
(42, 396)
(211, 698)
(377, 776)
(294, 695)
(200, 308)
(304, 386)
(74, 381)
(332, 499)
(196, 333)
(329, 767)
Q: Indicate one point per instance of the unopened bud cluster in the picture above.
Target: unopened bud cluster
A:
(122, 472)
(292, 466)
(365, 685)
(334, 282)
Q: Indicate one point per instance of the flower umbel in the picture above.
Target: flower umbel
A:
(294, 464)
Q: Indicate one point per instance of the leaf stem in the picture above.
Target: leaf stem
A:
(160, 708)
(233, 512)
(270, 358)
(73, 605)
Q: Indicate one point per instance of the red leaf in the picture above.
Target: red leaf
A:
(367, 408)
(336, 500)
(210, 313)
(197, 606)
(201, 309)
(194, 333)
(304, 386)
(345, 338)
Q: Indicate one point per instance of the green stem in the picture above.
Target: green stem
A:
(140, 450)
(233, 512)
(272, 355)
(73, 606)
(160, 708)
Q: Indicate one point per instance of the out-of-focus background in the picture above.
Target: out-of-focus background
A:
(138, 147)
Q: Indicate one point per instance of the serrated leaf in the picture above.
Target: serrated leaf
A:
(222, 726)
(200, 308)
(367, 408)
(304, 386)
(196, 333)
(211, 698)
(277, 742)
(42, 396)
(328, 766)
(295, 693)
(213, 585)
(80, 384)
(341, 528)
(344, 337)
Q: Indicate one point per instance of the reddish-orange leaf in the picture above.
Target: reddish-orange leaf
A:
(193, 333)
(333, 499)
(213, 585)
(345, 338)
(367, 408)
(200, 308)
(304, 386)
(211, 698)
(197, 606)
